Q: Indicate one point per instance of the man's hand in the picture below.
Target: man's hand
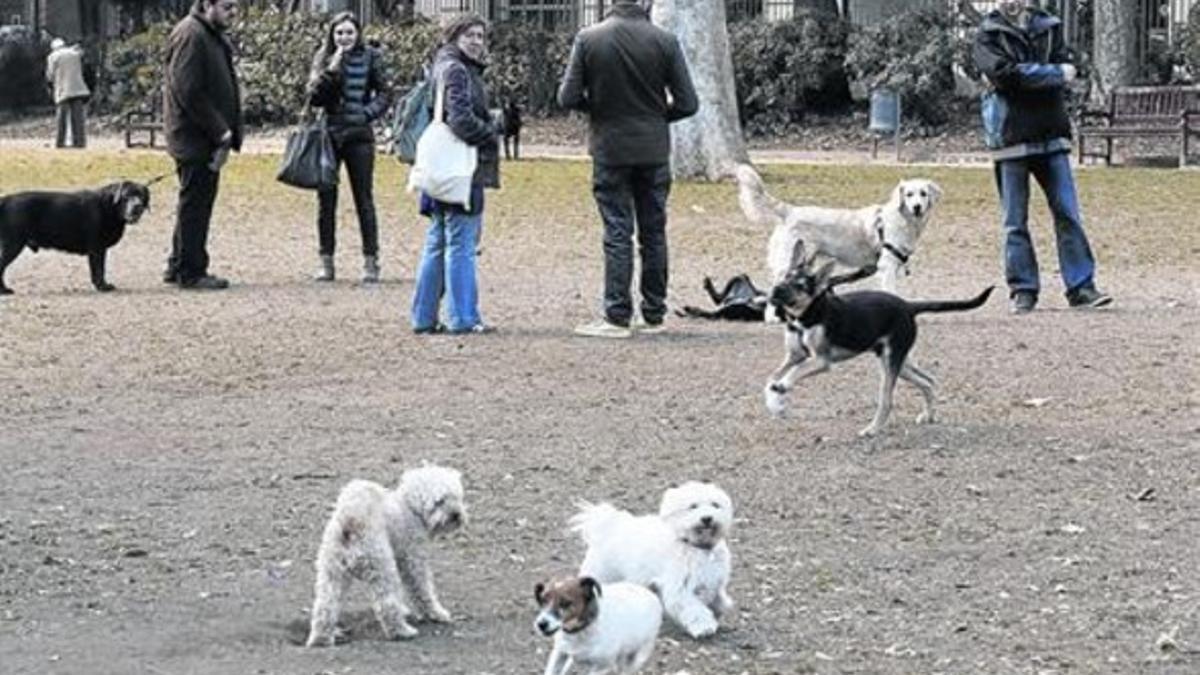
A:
(1069, 72)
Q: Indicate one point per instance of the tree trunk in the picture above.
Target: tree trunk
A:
(710, 142)
(1115, 57)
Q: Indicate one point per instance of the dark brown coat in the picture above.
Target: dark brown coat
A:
(201, 100)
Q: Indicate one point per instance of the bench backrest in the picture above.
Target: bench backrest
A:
(1152, 105)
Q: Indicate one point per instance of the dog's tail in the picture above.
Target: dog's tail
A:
(594, 521)
(758, 206)
(951, 305)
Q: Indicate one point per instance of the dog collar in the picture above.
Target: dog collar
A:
(899, 253)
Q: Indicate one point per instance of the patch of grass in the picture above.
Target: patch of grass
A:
(1133, 216)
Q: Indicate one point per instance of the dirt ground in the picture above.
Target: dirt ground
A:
(169, 458)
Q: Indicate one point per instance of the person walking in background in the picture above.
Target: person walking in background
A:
(1020, 51)
(202, 120)
(348, 80)
(64, 73)
(448, 258)
(631, 80)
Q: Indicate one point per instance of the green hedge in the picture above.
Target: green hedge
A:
(913, 55)
(784, 69)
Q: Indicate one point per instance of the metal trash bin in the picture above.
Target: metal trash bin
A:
(884, 118)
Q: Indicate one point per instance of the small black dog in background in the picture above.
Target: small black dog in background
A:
(87, 222)
(511, 125)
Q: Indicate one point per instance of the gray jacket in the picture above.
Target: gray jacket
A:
(619, 73)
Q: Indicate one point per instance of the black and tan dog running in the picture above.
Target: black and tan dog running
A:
(87, 222)
(823, 329)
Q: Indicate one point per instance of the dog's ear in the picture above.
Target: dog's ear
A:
(798, 255)
(898, 195)
(935, 193)
(823, 274)
(119, 193)
(539, 590)
(590, 586)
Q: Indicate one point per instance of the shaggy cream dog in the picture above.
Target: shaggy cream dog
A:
(680, 553)
(602, 630)
(879, 236)
(379, 537)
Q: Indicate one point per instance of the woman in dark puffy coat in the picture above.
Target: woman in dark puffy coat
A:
(447, 264)
(349, 81)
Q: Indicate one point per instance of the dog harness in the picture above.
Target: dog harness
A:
(885, 245)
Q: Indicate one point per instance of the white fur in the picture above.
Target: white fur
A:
(379, 537)
(660, 551)
(849, 236)
(619, 640)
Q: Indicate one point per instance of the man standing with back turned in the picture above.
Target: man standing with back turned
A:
(630, 77)
(202, 118)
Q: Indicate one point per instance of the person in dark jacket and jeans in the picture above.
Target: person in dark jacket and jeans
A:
(630, 77)
(447, 264)
(202, 120)
(1020, 51)
(348, 80)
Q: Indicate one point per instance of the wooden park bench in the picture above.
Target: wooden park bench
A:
(1142, 112)
(145, 120)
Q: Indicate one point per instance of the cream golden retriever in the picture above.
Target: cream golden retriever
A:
(879, 237)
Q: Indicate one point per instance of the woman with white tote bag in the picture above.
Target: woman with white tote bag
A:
(447, 266)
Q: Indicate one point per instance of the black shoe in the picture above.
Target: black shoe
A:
(205, 283)
(1022, 302)
(1088, 297)
(171, 277)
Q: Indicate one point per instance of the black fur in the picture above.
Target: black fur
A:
(511, 126)
(87, 222)
(741, 300)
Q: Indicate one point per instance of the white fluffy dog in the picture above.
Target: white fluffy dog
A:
(680, 553)
(379, 537)
(603, 630)
(879, 236)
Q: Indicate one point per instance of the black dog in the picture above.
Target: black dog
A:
(824, 329)
(511, 125)
(741, 300)
(87, 222)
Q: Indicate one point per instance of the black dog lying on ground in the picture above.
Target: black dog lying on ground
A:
(511, 126)
(87, 222)
(741, 300)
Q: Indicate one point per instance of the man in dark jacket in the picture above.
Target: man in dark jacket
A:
(1020, 51)
(631, 79)
(202, 118)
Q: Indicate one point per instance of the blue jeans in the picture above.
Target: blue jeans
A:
(448, 266)
(1053, 173)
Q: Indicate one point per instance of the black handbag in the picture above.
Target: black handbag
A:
(308, 159)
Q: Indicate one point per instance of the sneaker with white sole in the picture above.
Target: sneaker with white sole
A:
(643, 327)
(602, 328)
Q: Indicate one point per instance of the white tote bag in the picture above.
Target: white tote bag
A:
(445, 164)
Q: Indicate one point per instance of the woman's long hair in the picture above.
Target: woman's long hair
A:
(329, 47)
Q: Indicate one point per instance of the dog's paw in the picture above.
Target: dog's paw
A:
(702, 627)
(926, 417)
(773, 396)
(401, 632)
(868, 431)
(438, 614)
